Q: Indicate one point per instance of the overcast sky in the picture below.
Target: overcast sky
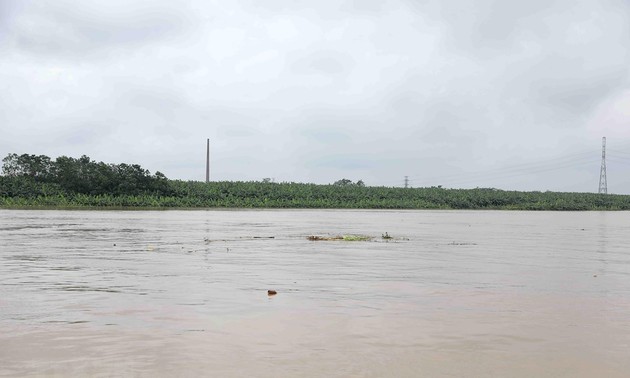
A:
(492, 93)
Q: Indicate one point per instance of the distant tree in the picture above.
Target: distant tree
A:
(160, 184)
(10, 165)
(83, 175)
(67, 174)
(131, 178)
(346, 182)
(38, 167)
(343, 182)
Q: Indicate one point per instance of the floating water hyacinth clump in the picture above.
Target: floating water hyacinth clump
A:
(340, 238)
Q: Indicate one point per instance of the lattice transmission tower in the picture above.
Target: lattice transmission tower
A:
(603, 185)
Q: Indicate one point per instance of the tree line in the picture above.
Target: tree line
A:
(83, 175)
(38, 181)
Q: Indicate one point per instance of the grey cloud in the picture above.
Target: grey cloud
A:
(325, 62)
(491, 27)
(325, 7)
(330, 7)
(560, 90)
(374, 7)
(79, 28)
(577, 97)
(327, 10)
(8, 11)
(85, 133)
(497, 25)
(163, 102)
(551, 62)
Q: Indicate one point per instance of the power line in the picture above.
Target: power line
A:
(465, 179)
(611, 152)
(580, 159)
(523, 166)
(617, 159)
(511, 171)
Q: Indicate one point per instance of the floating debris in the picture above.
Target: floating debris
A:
(356, 238)
(458, 243)
(318, 238)
(340, 237)
(271, 293)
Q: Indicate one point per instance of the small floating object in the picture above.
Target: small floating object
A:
(271, 292)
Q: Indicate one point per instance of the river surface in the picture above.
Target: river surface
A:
(184, 293)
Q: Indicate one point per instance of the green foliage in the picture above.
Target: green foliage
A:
(38, 167)
(356, 238)
(24, 174)
(36, 181)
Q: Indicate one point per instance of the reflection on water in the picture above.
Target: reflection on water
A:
(184, 293)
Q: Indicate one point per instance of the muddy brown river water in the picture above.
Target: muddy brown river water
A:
(184, 293)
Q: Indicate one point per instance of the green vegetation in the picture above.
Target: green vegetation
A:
(37, 181)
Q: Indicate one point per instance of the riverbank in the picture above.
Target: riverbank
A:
(191, 194)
